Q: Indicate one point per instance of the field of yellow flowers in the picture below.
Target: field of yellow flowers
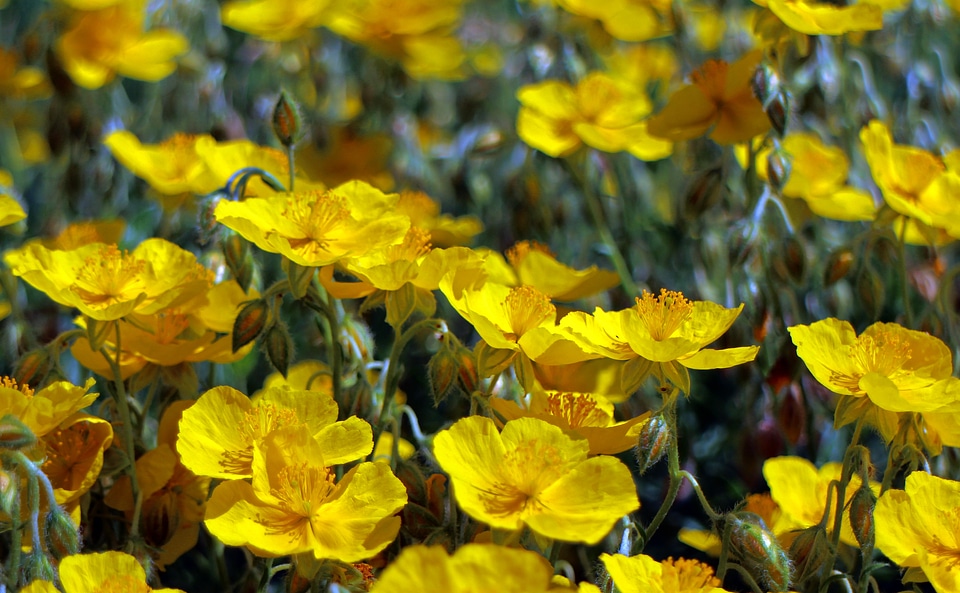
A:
(514, 296)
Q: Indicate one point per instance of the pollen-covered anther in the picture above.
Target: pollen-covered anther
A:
(316, 213)
(691, 575)
(11, 383)
(415, 243)
(527, 308)
(663, 314)
(109, 277)
(576, 410)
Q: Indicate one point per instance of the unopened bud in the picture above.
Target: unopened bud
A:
(861, 514)
(9, 493)
(299, 277)
(442, 371)
(279, 346)
(236, 252)
(838, 266)
(488, 143)
(778, 111)
(758, 551)
(62, 536)
(703, 193)
(792, 415)
(14, 434)
(870, 289)
(779, 167)
(287, 122)
(765, 82)
(249, 323)
(38, 567)
(794, 259)
(652, 442)
(809, 550)
(33, 367)
(207, 225)
(467, 370)
(98, 331)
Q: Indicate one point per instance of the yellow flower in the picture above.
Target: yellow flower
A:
(101, 44)
(445, 231)
(800, 490)
(219, 433)
(174, 498)
(602, 112)
(295, 505)
(533, 264)
(417, 33)
(642, 63)
(886, 371)
(919, 528)
(821, 18)
(10, 209)
(316, 228)
(78, 234)
(643, 574)
(536, 476)
(44, 410)
(626, 20)
(818, 175)
(106, 571)
(21, 83)
(720, 101)
(586, 414)
(347, 156)
(914, 183)
(274, 20)
(473, 567)
(106, 283)
(669, 331)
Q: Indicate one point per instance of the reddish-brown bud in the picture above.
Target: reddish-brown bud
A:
(652, 442)
(287, 122)
(757, 549)
(279, 346)
(442, 370)
(250, 322)
(838, 266)
(33, 367)
(861, 515)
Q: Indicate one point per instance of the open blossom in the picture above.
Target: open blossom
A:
(534, 475)
(295, 504)
(627, 20)
(643, 574)
(533, 264)
(824, 18)
(274, 20)
(105, 571)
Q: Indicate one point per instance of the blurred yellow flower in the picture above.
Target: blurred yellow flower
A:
(295, 504)
(885, 371)
(586, 414)
(445, 230)
(473, 567)
(345, 155)
(822, 18)
(919, 528)
(21, 83)
(534, 475)
(600, 111)
(626, 20)
(642, 63)
(219, 433)
(105, 571)
(274, 20)
(643, 574)
(103, 43)
(316, 228)
(10, 209)
(106, 283)
(818, 176)
(174, 498)
(534, 264)
(719, 102)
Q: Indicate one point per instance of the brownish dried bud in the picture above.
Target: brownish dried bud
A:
(467, 370)
(14, 434)
(279, 346)
(652, 442)
(249, 323)
(861, 514)
(287, 122)
(765, 82)
(794, 259)
(838, 266)
(809, 550)
(33, 367)
(778, 111)
(442, 371)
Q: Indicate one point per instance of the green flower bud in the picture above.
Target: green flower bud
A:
(14, 434)
(652, 442)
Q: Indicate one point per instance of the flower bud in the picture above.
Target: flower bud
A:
(765, 82)
(838, 266)
(467, 370)
(442, 371)
(33, 367)
(809, 550)
(9, 493)
(287, 122)
(236, 252)
(792, 415)
(793, 259)
(861, 514)
(279, 346)
(38, 567)
(752, 543)
(779, 168)
(249, 323)
(652, 442)
(703, 193)
(62, 536)
(14, 434)
(778, 111)
(299, 277)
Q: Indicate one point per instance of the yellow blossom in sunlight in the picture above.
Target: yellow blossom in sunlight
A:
(604, 113)
(473, 567)
(101, 44)
(174, 498)
(585, 414)
(916, 184)
(818, 176)
(534, 264)
(102, 572)
(668, 331)
(44, 410)
(316, 228)
(534, 475)
(417, 33)
(626, 20)
(884, 372)
(106, 283)
(219, 433)
(21, 82)
(306, 375)
(800, 490)
(445, 231)
(274, 20)
(10, 209)
(643, 574)
(295, 505)
(919, 528)
(720, 101)
(823, 18)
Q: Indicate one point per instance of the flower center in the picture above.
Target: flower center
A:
(257, 423)
(108, 277)
(526, 309)
(11, 383)
(69, 453)
(525, 471)
(317, 214)
(519, 252)
(711, 78)
(415, 243)
(170, 326)
(300, 490)
(690, 575)
(663, 314)
(578, 409)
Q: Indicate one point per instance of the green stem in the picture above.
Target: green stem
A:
(747, 577)
(331, 334)
(707, 508)
(392, 380)
(290, 163)
(673, 470)
(901, 255)
(265, 575)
